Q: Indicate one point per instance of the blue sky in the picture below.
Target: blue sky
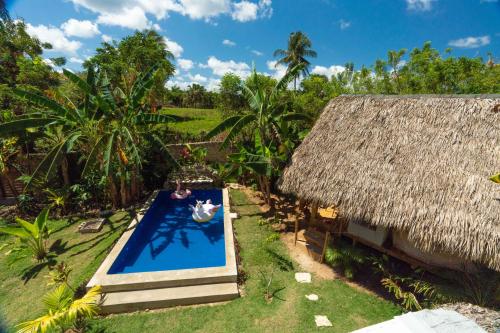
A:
(211, 37)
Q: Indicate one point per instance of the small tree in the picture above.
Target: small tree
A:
(64, 311)
(32, 235)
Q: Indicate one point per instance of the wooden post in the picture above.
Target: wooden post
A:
(325, 246)
(314, 212)
(296, 230)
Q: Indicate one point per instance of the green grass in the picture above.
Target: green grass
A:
(23, 283)
(195, 121)
(289, 311)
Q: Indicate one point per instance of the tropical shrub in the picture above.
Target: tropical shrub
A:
(34, 235)
(347, 257)
(64, 311)
(108, 128)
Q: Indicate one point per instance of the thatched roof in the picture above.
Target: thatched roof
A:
(419, 164)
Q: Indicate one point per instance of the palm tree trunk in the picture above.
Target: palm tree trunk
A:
(123, 191)
(10, 182)
(113, 192)
(65, 171)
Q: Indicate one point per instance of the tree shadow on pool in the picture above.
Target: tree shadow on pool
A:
(214, 232)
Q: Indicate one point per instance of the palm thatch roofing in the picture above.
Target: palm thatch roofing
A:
(418, 164)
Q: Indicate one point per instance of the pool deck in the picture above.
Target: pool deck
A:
(175, 285)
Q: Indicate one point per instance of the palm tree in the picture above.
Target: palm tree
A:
(64, 311)
(299, 47)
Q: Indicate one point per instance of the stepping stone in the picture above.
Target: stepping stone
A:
(303, 277)
(312, 297)
(233, 216)
(322, 321)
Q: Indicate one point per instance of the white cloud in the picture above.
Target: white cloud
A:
(328, 71)
(206, 9)
(198, 78)
(83, 29)
(245, 11)
(173, 47)
(106, 38)
(470, 42)
(136, 10)
(76, 60)
(419, 5)
(160, 8)
(220, 67)
(278, 70)
(184, 81)
(344, 24)
(257, 53)
(132, 18)
(55, 37)
(185, 64)
(213, 84)
(228, 42)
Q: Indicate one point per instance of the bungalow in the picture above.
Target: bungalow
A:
(408, 173)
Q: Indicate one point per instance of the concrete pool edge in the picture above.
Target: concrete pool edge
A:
(171, 278)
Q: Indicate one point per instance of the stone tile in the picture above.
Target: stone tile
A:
(322, 321)
(303, 277)
(312, 297)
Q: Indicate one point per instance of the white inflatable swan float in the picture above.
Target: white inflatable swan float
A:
(204, 212)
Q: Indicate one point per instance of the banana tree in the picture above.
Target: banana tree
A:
(65, 125)
(116, 151)
(265, 114)
(33, 235)
(259, 161)
(107, 128)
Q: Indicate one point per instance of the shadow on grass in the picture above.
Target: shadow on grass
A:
(281, 262)
(58, 247)
(94, 242)
(3, 324)
(32, 272)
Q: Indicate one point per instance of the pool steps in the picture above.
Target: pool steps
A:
(135, 300)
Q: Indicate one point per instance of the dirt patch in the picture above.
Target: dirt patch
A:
(299, 254)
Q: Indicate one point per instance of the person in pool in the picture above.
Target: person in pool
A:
(180, 194)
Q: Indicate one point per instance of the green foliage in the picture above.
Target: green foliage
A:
(109, 127)
(64, 310)
(495, 178)
(32, 235)
(59, 274)
(195, 155)
(347, 257)
(273, 237)
(126, 60)
(21, 65)
(231, 98)
(196, 96)
(412, 291)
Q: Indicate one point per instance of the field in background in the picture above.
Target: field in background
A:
(195, 121)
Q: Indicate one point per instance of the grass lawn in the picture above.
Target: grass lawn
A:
(195, 120)
(23, 283)
(289, 311)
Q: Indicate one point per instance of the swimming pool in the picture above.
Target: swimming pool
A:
(164, 258)
(169, 239)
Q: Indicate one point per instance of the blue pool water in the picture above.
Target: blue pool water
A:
(167, 237)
